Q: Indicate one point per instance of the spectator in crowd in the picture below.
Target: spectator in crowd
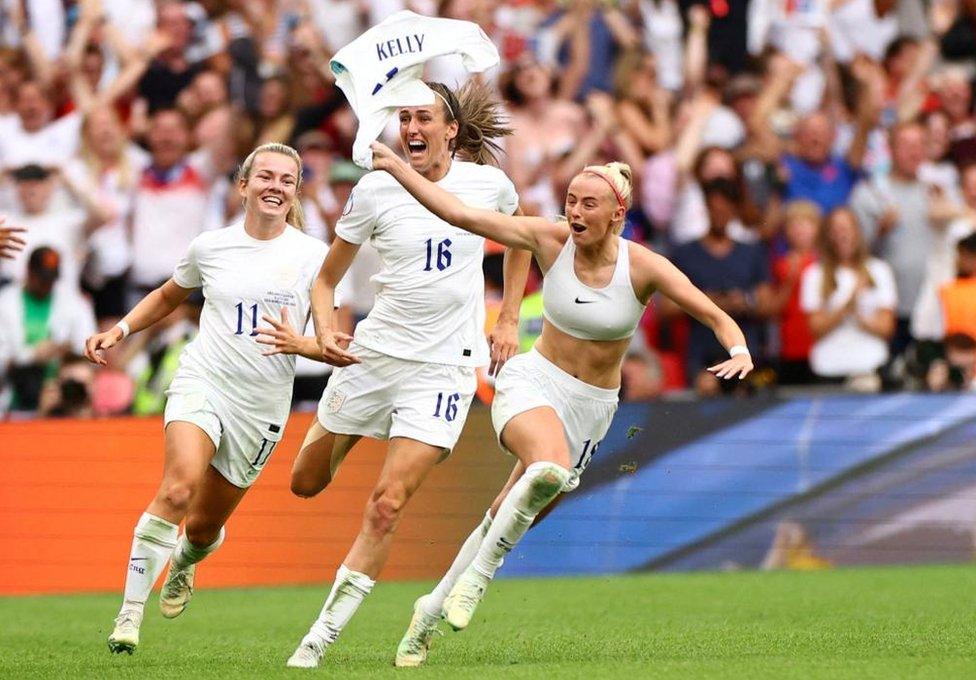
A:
(172, 69)
(546, 130)
(895, 214)
(53, 220)
(959, 295)
(643, 106)
(957, 370)
(801, 227)
(734, 275)
(32, 135)
(107, 168)
(850, 301)
(170, 201)
(941, 266)
(43, 323)
(69, 393)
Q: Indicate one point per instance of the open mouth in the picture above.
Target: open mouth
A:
(416, 147)
(273, 201)
(577, 227)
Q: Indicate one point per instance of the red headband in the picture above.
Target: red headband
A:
(613, 187)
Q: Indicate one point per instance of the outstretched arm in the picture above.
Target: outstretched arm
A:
(509, 230)
(663, 276)
(158, 304)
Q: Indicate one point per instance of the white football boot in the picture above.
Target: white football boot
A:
(464, 597)
(125, 637)
(177, 591)
(412, 650)
(308, 654)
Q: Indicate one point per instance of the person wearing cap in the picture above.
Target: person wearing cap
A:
(49, 221)
(42, 323)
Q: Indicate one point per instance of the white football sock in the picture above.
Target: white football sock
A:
(347, 594)
(186, 553)
(152, 544)
(540, 484)
(434, 602)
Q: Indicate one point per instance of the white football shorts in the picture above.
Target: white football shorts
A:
(385, 397)
(529, 381)
(244, 443)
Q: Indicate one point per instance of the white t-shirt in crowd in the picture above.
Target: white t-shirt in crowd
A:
(49, 146)
(339, 21)
(135, 19)
(243, 279)
(849, 349)
(430, 290)
(662, 38)
(62, 229)
(110, 251)
(169, 210)
(855, 28)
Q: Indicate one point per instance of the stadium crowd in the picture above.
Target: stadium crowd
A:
(810, 164)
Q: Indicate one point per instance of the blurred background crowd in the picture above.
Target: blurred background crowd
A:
(810, 164)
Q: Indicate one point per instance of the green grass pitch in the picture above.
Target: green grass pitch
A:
(857, 623)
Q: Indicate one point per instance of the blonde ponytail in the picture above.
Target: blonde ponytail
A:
(295, 216)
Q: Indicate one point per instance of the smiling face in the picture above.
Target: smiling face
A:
(425, 136)
(592, 209)
(271, 186)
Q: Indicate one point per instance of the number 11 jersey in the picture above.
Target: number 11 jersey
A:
(243, 279)
(430, 288)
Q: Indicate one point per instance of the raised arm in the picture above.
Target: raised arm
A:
(510, 230)
(156, 305)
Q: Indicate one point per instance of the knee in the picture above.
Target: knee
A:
(176, 496)
(307, 486)
(385, 508)
(546, 481)
(200, 532)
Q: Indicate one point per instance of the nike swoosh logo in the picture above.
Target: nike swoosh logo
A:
(584, 302)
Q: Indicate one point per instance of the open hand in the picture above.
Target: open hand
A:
(740, 365)
(281, 335)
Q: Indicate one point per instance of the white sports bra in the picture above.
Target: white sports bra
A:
(608, 313)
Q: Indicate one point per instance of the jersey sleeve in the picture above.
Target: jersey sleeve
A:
(358, 216)
(508, 198)
(187, 272)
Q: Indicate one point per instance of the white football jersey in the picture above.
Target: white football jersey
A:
(244, 278)
(430, 300)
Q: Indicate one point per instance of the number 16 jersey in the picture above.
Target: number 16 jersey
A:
(430, 288)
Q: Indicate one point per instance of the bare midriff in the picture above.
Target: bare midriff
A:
(595, 362)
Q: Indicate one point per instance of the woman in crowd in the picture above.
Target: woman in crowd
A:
(849, 298)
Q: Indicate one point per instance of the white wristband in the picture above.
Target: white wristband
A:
(736, 350)
(125, 328)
